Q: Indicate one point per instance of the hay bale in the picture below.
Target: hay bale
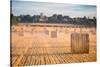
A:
(79, 43)
(53, 34)
(85, 43)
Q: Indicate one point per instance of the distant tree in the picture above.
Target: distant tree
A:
(66, 19)
(54, 18)
(25, 18)
(60, 18)
(84, 17)
(94, 20)
(85, 21)
(13, 19)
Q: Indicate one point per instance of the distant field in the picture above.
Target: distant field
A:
(36, 45)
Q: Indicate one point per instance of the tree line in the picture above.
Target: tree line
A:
(53, 19)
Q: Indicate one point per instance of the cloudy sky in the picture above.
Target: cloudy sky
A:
(48, 9)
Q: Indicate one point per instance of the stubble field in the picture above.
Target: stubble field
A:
(36, 46)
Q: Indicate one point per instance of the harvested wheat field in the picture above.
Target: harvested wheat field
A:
(39, 44)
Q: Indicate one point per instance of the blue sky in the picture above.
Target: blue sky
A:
(48, 9)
